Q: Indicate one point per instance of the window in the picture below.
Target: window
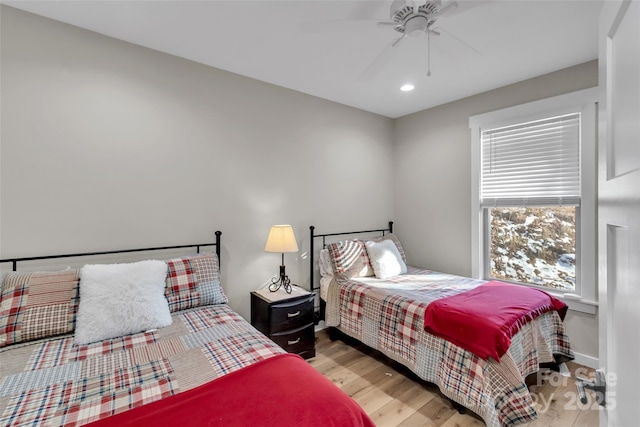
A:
(534, 213)
(530, 186)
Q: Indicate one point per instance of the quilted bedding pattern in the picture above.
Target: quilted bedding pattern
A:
(389, 316)
(56, 382)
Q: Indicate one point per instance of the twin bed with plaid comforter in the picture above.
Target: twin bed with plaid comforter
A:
(58, 383)
(388, 315)
(209, 366)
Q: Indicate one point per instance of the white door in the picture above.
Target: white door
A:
(619, 210)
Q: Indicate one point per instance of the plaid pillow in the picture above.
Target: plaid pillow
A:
(194, 281)
(182, 288)
(208, 277)
(350, 259)
(37, 305)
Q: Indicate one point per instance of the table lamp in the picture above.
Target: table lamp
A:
(281, 239)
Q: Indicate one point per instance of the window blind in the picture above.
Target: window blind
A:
(532, 164)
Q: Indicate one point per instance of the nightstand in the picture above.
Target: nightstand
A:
(286, 319)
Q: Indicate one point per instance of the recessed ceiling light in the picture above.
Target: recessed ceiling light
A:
(407, 88)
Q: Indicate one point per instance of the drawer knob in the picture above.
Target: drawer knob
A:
(293, 342)
(293, 314)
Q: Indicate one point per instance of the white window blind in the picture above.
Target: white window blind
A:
(532, 164)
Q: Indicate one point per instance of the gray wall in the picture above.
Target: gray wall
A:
(108, 145)
(432, 173)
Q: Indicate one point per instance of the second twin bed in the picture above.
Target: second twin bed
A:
(476, 340)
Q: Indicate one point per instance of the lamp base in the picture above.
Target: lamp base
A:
(281, 281)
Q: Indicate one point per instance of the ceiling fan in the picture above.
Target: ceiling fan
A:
(416, 19)
(413, 19)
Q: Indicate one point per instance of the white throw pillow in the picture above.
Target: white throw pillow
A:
(385, 259)
(121, 299)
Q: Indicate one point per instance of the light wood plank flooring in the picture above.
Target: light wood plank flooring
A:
(392, 396)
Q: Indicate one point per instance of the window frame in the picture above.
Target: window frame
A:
(585, 101)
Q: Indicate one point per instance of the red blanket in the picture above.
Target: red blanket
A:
(283, 390)
(484, 319)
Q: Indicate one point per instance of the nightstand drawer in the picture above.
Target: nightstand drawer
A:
(291, 315)
(296, 341)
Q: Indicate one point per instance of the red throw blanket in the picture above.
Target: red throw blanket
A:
(484, 319)
(283, 390)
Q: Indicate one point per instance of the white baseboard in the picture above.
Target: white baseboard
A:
(588, 361)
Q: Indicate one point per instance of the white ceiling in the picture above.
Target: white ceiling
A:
(323, 47)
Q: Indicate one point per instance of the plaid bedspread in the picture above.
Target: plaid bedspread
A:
(55, 382)
(389, 316)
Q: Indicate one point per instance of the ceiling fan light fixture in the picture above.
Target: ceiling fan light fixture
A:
(416, 26)
(407, 87)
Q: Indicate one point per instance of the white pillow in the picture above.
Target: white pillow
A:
(385, 259)
(121, 299)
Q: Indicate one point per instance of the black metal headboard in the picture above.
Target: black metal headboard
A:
(15, 261)
(313, 236)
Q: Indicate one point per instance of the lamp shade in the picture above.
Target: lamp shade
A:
(281, 239)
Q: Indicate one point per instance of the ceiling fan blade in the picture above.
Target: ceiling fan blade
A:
(336, 25)
(450, 7)
(398, 5)
(459, 40)
(387, 24)
(395, 6)
(381, 60)
(395, 42)
(455, 7)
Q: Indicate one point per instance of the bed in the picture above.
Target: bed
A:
(165, 350)
(415, 317)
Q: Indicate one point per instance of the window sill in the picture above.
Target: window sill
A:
(575, 303)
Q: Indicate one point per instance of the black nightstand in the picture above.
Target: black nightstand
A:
(287, 320)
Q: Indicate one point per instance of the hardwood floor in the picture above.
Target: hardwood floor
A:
(393, 396)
